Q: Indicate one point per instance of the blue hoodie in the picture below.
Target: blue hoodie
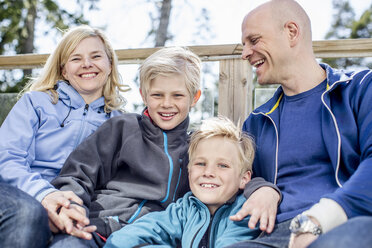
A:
(37, 136)
(347, 132)
(186, 222)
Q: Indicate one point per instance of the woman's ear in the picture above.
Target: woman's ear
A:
(196, 98)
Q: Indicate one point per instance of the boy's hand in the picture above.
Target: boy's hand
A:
(262, 205)
(55, 201)
(75, 222)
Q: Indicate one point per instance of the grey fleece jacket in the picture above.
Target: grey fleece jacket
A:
(128, 159)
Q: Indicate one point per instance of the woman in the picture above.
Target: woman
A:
(76, 92)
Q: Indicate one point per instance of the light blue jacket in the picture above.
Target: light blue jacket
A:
(185, 222)
(37, 136)
(347, 132)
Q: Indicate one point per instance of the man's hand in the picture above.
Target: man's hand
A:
(75, 222)
(302, 240)
(55, 201)
(262, 205)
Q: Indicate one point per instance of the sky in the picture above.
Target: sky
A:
(126, 23)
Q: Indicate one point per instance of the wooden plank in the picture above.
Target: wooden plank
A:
(235, 89)
(322, 49)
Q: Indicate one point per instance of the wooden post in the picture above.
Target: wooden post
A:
(235, 89)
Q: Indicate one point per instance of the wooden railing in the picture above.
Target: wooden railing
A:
(235, 75)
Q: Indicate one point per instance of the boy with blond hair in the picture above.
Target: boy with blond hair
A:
(220, 165)
(135, 164)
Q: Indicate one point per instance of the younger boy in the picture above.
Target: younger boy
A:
(135, 164)
(220, 165)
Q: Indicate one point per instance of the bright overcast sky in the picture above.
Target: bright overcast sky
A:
(126, 22)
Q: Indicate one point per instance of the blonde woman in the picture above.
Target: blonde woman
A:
(78, 89)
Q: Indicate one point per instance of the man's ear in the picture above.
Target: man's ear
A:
(293, 31)
(143, 97)
(245, 179)
(196, 98)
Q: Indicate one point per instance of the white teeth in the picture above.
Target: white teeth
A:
(166, 115)
(88, 75)
(208, 185)
(258, 62)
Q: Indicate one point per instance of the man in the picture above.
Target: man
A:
(314, 137)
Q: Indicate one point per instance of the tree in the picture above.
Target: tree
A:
(345, 26)
(18, 22)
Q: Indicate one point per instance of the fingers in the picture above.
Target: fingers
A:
(72, 197)
(242, 213)
(73, 215)
(263, 221)
(84, 233)
(271, 225)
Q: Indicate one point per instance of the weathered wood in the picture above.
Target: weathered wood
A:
(235, 89)
(322, 49)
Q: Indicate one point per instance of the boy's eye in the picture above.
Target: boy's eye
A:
(200, 164)
(97, 56)
(178, 95)
(221, 165)
(156, 95)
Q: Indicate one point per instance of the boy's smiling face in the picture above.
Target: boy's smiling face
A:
(215, 171)
(168, 101)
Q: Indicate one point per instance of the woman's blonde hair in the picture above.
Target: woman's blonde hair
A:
(171, 61)
(52, 71)
(223, 127)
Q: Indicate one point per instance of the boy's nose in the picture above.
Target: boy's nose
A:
(166, 102)
(209, 171)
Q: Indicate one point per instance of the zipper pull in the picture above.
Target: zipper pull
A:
(86, 109)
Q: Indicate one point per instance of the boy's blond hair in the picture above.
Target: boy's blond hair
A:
(171, 61)
(52, 71)
(223, 127)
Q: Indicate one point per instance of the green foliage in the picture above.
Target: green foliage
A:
(17, 28)
(345, 26)
(6, 102)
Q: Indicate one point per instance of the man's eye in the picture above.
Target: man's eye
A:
(254, 41)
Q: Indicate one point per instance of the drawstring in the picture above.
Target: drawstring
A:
(69, 111)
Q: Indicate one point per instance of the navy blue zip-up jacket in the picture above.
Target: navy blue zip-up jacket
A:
(347, 131)
(127, 160)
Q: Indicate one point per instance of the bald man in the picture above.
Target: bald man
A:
(314, 136)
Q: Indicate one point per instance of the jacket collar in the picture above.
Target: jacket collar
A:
(334, 77)
(70, 97)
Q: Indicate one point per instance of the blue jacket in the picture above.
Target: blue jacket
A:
(347, 132)
(185, 222)
(37, 136)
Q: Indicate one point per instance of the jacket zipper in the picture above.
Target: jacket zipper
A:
(170, 166)
(83, 122)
